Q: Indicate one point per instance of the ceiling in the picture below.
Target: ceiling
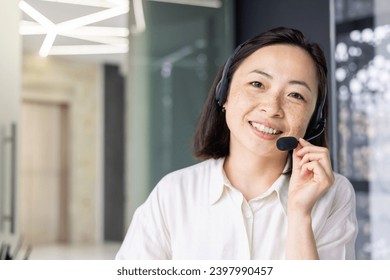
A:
(40, 15)
(58, 22)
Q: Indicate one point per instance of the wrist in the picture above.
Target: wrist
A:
(300, 217)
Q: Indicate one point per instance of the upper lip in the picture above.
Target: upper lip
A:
(267, 125)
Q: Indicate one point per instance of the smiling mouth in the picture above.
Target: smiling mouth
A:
(265, 129)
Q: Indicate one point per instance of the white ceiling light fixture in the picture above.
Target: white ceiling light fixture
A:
(91, 3)
(108, 39)
(200, 3)
(139, 16)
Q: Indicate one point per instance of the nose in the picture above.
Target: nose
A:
(271, 105)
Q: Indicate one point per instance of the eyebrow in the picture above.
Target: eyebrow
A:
(294, 82)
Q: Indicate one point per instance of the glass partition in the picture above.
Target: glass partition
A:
(362, 57)
(172, 65)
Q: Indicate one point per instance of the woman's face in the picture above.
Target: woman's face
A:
(272, 94)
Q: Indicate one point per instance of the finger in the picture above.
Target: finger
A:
(295, 158)
(314, 156)
(318, 172)
(310, 152)
(315, 170)
(322, 158)
(313, 149)
(304, 143)
(308, 147)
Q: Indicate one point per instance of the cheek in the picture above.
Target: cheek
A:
(238, 105)
(235, 113)
(299, 121)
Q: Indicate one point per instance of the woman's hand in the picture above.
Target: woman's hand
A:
(311, 177)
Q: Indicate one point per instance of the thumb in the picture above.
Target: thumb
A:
(296, 159)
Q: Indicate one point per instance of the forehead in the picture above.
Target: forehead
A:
(282, 54)
(283, 63)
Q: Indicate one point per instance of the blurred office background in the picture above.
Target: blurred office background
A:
(100, 98)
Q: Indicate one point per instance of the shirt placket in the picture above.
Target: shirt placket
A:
(245, 239)
(247, 215)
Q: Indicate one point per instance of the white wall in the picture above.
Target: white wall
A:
(10, 76)
(10, 61)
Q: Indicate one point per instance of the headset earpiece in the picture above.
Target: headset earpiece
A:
(316, 128)
(222, 87)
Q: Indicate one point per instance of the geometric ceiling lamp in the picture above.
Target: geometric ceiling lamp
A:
(96, 39)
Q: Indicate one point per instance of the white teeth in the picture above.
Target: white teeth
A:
(263, 128)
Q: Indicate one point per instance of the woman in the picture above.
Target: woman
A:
(248, 199)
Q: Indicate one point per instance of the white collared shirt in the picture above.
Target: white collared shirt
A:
(195, 213)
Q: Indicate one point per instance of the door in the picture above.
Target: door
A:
(44, 172)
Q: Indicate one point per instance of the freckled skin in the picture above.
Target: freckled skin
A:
(277, 86)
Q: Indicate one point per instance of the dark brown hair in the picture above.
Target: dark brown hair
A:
(212, 135)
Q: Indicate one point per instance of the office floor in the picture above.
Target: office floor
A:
(104, 251)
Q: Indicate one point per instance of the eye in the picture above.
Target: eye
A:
(257, 84)
(296, 95)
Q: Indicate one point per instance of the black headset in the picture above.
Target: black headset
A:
(221, 90)
(317, 126)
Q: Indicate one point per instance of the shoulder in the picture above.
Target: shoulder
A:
(183, 190)
(190, 181)
(341, 193)
(337, 204)
(342, 185)
(193, 173)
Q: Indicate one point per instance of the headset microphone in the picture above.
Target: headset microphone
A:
(289, 143)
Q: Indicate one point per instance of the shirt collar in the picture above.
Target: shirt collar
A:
(219, 180)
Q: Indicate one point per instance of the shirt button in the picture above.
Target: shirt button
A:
(248, 215)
